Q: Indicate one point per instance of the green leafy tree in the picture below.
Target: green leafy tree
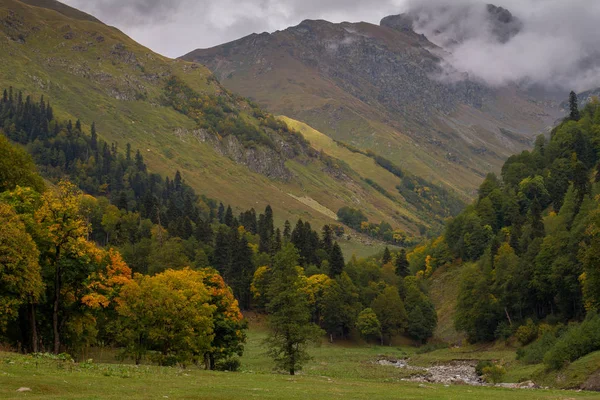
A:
(390, 311)
(422, 317)
(289, 313)
(368, 325)
(477, 310)
(340, 306)
(17, 168)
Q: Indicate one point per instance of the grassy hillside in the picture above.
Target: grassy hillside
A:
(93, 72)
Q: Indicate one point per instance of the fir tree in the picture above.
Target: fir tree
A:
(289, 314)
(336, 261)
(402, 264)
(574, 114)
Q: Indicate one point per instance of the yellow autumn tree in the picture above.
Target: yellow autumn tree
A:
(167, 315)
(66, 254)
(20, 274)
(229, 323)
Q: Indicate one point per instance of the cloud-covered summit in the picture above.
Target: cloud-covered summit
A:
(550, 43)
(538, 42)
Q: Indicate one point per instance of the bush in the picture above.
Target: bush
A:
(230, 364)
(494, 373)
(527, 333)
(534, 353)
(577, 341)
(503, 331)
(481, 365)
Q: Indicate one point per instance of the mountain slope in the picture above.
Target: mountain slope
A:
(226, 147)
(374, 88)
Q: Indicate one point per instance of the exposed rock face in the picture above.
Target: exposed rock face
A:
(260, 159)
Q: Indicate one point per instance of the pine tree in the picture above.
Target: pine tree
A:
(94, 140)
(327, 239)
(228, 219)
(266, 230)
(239, 275)
(287, 227)
(336, 261)
(402, 264)
(221, 213)
(574, 114)
(289, 313)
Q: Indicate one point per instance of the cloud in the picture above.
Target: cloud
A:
(176, 27)
(556, 44)
(553, 42)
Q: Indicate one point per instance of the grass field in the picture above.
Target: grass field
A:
(342, 370)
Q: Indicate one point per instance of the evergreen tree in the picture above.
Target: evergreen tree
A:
(221, 213)
(289, 313)
(327, 239)
(228, 219)
(287, 228)
(239, 275)
(574, 114)
(266, 230)
(336, 261)
(402, 264)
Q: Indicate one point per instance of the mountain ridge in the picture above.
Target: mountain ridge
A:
(374, 87)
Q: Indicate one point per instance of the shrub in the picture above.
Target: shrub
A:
(527, 333)
(503, 331)
(534, 353)
(577, 341)
(481, 365)
(494, 373)
(230, 364)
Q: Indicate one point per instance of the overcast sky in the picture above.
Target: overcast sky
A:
(176, 27)
(559, 43)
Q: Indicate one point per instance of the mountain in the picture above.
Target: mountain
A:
(225, 146)
(383, 88)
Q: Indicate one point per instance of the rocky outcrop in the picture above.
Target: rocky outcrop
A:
(259, 159)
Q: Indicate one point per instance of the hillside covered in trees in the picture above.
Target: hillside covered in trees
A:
(530, 245)
(105, 251)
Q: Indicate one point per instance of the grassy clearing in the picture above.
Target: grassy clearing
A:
(341, 370)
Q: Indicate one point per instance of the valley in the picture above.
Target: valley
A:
(403, 209)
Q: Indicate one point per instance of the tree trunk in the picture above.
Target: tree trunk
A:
(34, 335)
(292, 372)
(508, 316)
(211, 358)
(56, 305)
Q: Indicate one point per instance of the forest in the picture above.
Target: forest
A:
(99, 250)
(531, 245)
